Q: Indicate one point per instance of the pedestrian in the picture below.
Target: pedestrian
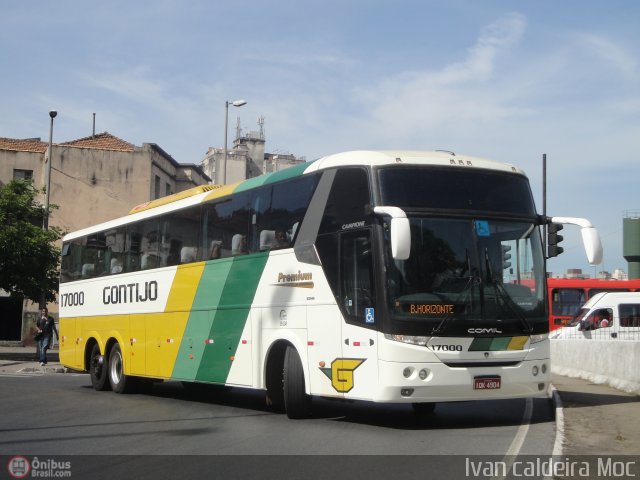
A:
(46, 328)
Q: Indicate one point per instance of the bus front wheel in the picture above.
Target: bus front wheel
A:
(120, 383)
(98, 369)
(297, 403)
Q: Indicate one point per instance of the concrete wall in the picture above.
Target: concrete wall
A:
(10, 160)
(612, 362)
(92, 186)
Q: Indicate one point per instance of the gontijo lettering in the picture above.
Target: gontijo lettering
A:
(130, 293)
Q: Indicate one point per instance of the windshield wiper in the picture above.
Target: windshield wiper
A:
(502, 294)
(472, 280)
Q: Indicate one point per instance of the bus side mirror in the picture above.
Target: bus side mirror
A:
(400, 231)
(590, 237)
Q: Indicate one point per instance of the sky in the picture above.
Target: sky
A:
(505, 80)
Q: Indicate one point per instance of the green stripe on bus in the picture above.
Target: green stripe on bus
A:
(497, 344)
(231, 316)
(274, 177)
(196, 333)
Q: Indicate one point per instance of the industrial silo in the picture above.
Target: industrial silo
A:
(631, 242)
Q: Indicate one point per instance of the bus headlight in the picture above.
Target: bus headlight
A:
(410, 339)
(540, 337)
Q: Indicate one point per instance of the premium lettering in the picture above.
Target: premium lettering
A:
(130, 293)
(295, 277)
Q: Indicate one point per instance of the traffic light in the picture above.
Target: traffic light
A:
(506, 256)
(553, 240)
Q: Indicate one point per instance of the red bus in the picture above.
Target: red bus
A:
(566, 296)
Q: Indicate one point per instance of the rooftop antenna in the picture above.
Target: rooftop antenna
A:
(93, 134)
(238, 129)
(261, 125)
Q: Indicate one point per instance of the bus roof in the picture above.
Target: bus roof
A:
(412, 157)
(206, 193)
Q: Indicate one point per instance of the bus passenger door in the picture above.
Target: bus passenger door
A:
(359, 372)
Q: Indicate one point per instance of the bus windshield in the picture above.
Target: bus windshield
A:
(489, 272)
(468, 269)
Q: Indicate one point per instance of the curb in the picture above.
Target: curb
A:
(43, 370)
(560, 437)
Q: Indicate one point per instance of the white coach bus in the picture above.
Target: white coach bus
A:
(396, 277)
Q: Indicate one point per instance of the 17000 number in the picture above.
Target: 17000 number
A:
(74, 299)
(447, 348)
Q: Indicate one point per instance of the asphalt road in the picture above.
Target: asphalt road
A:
(61, 415)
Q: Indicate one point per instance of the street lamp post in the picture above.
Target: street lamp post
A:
(47, 173)
(235, 103)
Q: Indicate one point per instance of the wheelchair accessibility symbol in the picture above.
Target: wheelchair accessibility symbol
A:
(369, 316)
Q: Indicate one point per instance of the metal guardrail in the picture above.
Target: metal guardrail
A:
(613, 333)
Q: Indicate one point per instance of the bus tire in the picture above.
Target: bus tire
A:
(98, 367)
(274, 379)
(423, 408)
(297, 403)
(120, 383)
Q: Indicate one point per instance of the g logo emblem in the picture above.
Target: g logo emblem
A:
(341, 373)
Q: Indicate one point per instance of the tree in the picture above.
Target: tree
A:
(29, 257)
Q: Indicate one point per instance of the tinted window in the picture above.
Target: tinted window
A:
(179, 233)
(347, 200)
(567, 301)
(630, 315)
(264, 218)
(458, 189)
(289, 203)
(226, 227)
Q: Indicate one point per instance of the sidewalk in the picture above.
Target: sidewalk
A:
(590, 419)
(24, 360)
(596, 419)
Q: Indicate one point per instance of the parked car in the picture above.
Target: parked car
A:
(605, 316)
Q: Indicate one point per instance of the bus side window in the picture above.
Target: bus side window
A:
(567, 301)
(132, 249)
(347, 201)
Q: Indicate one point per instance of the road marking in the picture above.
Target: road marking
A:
(518, 440)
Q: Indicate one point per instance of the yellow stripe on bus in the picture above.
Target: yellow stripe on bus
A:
(517, 343)
(164, 331)
(222, 191)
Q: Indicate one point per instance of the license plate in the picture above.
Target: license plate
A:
(486, 383)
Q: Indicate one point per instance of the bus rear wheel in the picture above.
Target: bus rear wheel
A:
(297, 403)
(98, 369)
(120, 383)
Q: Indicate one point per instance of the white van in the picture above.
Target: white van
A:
(607, 315)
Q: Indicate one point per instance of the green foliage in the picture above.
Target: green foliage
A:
(29, 257)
